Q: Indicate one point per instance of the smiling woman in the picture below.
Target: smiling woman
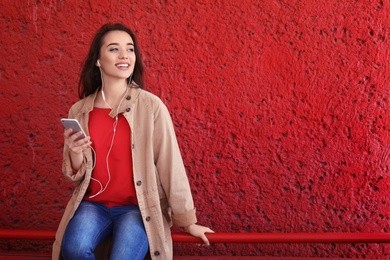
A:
(132, 183)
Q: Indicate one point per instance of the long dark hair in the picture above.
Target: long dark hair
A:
(90, 80)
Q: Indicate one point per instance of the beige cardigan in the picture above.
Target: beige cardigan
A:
(161, 183)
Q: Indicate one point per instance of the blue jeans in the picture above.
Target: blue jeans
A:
(94, 222)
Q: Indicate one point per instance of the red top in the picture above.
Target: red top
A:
(120, 190)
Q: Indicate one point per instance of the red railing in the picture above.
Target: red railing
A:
(336, 237)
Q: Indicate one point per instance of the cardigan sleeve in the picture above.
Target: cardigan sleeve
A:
(171, 168)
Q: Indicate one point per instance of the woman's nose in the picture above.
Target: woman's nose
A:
(123, 54)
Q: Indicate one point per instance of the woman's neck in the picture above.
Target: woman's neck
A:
(111, 94)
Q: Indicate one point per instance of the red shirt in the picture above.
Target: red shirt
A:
(115, 171)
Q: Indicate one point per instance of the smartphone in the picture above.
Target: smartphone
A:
(75, 125)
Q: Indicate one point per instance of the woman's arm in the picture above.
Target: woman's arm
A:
(76, 147)
(74, 161)
(173, 175)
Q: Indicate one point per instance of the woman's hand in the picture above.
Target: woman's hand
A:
(199, 231)
(76, 147)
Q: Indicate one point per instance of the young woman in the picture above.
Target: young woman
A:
(131, 181)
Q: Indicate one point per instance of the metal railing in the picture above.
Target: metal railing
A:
(221, 237)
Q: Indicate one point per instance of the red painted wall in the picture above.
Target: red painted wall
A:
(281, 109)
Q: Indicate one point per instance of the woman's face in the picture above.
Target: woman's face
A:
(117, 56)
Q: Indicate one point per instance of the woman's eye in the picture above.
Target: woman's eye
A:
(113, 49)
(131, 50)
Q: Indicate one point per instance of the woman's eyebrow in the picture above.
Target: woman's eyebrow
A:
(114, 43)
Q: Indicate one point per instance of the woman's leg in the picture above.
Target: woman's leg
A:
(129, 236)
(90, 225)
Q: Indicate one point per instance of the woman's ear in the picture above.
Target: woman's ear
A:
(98, 63)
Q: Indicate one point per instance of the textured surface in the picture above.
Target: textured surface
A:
(281, 110)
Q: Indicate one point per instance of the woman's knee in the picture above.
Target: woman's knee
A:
(74, 250)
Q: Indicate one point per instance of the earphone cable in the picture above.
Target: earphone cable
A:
(112, 140)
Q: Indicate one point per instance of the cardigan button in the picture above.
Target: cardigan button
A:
(147, 218)
(128, 97)
(156, 253)
(128, 109)
(139, 183)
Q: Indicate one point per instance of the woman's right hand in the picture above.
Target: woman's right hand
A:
(76, 147)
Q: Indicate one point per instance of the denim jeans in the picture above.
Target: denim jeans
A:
(94, 222)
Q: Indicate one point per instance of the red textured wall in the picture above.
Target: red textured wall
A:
(281, 110)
